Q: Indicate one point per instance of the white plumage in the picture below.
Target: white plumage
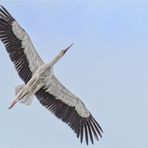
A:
(40, 81)
(34, 60)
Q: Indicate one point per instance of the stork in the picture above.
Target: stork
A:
(40, 81)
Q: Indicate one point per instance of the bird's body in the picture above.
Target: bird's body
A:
(41, 78)
(37, 81)
(40, 81)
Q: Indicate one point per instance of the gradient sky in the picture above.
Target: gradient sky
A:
(107, 67)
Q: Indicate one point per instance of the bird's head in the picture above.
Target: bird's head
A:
(65, 50)
(59, 56)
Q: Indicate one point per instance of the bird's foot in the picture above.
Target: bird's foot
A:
(12, 104)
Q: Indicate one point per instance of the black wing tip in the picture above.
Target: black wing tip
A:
(90, 129)
(85, 128)
(5, 13)
(2, 6)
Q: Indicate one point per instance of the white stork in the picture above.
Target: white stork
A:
(40, 81)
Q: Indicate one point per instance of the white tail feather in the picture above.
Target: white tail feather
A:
(18, 88)
(27, 100)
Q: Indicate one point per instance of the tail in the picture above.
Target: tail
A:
(27, 100)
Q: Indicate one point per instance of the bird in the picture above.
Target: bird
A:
(40, 81)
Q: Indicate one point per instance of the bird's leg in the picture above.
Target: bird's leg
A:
(29, 89)
(19, 97)
(12, 104)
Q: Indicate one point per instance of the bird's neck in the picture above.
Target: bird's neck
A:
(55, 60)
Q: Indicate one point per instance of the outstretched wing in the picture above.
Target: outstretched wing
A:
(70, 109)
(19, 46)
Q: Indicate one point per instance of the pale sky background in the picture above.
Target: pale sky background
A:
(107, 67)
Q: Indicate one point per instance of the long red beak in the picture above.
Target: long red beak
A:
(65, 50)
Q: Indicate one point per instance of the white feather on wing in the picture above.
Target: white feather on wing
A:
(61, 93)
(19, 46)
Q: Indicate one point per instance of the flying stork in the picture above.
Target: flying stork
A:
(39, 80)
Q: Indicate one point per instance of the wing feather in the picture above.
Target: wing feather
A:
(19, 46)
(70, 109)
(54, 96)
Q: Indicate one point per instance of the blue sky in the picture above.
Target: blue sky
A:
(106, 67)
